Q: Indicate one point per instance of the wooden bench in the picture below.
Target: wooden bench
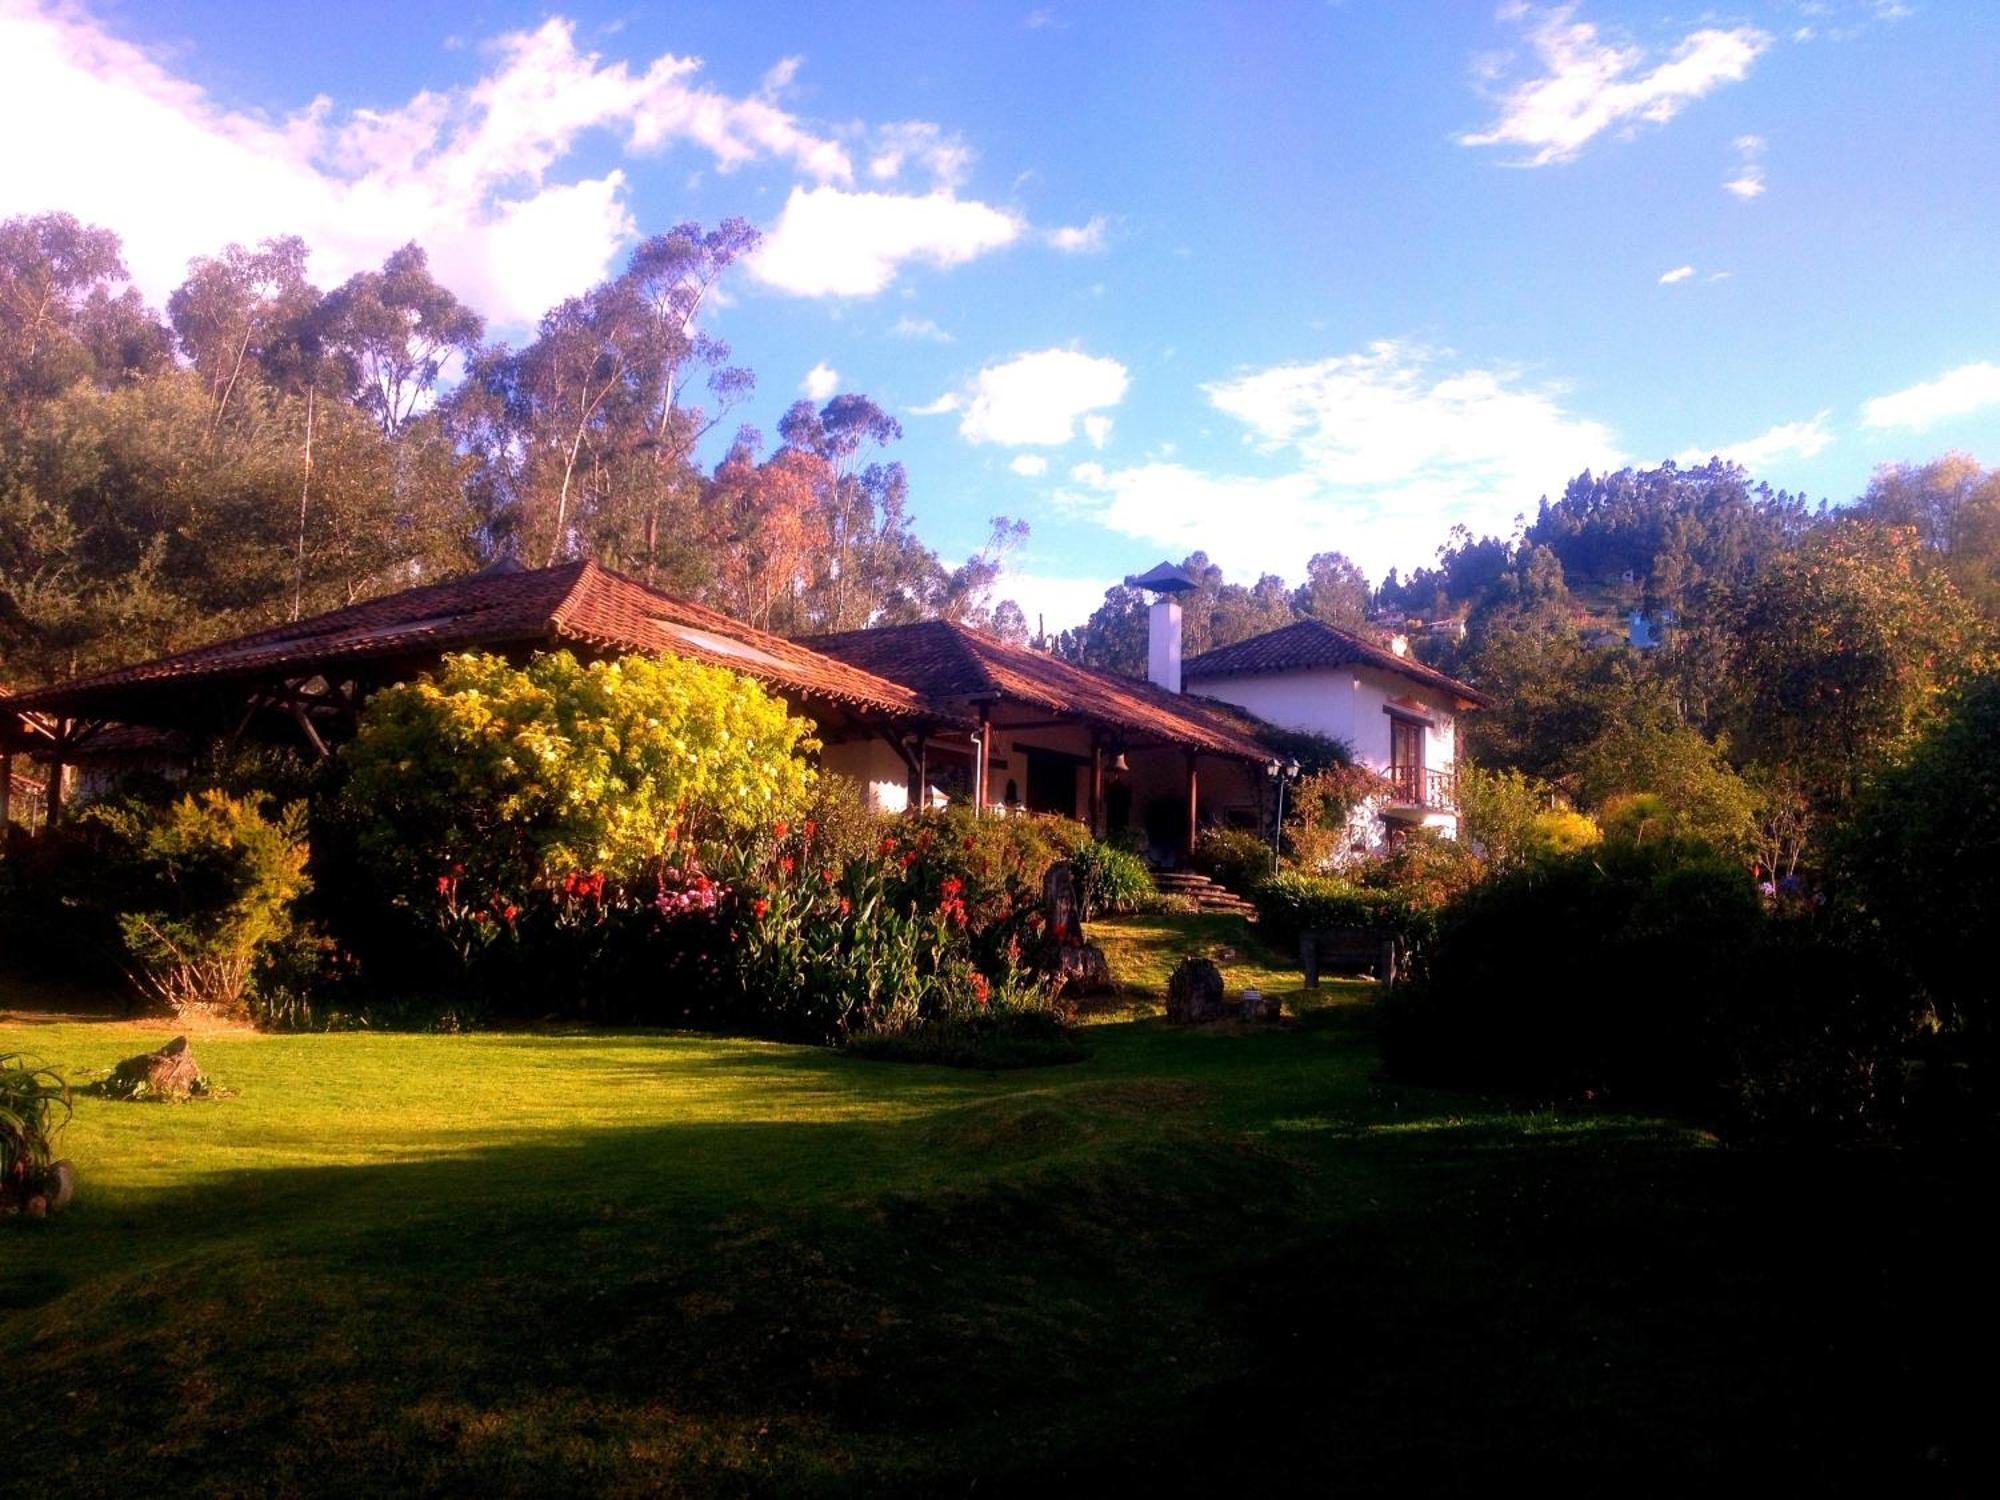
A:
(1348, 950)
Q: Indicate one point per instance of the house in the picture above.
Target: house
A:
(1398, 716)
(1051, 736)
(917, 715)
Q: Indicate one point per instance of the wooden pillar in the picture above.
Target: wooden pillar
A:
(52, 797)
(6, 788)
(1096, 787)
(1194, 803)
(985, 753)
(919, 780)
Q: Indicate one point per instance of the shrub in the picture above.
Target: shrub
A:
(1320, 816)
(1109, 879)
(1603, 973)
(1289, 904)
(1510, 819)
(1233, 857)
(214, 879)
(509, 831)
(34, 1107)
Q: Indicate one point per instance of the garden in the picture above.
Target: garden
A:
(592, 1099)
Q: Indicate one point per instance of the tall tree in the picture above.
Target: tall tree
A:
(1335, 591)
(1953, 504)
(392, 333)
(238, 313)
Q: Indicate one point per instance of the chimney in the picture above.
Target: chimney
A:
(1166, 583)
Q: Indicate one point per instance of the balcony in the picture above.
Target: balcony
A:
(1415, 789)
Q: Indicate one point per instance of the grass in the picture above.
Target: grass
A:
(627, 1263)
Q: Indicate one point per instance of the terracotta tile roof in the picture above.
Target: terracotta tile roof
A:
(1313, 643)
(951, 664)
(577, 602)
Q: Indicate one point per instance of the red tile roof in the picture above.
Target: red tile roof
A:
(1313, 643)
(949, 663)
(577, 602)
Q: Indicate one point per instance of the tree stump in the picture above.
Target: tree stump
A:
(1194, 992)
(1075, 965)
(170, 1073)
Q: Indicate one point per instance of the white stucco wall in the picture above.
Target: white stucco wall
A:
(1350, 704)
(877, 768)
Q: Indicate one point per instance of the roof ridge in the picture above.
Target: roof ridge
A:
(587, 571)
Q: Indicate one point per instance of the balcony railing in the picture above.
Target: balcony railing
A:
(1414, 786)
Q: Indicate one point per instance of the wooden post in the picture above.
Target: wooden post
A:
(919, 780)
(985, 755)
(1096, 787)
(52, 797)
(1194, 805)
(6, 788)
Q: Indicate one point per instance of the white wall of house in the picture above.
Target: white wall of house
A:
(1350, 704)
(875, 767)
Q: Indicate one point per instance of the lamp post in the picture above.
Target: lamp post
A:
(1289, 771)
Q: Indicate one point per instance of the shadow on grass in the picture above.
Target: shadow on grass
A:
(1196, 1260)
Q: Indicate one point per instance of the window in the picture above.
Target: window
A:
(1406, 759)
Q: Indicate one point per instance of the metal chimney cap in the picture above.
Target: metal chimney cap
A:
(1162, 578)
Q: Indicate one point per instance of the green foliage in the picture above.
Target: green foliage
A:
(1917, 867)
(1233, 857)
(1650, 974)
(1687, 777)
(1497, 812)
(215, 878)
(1319, 813)
(1844, 649)
(1561, 831)
(1109, 879)
(505, 779)
(34, 1107)
(1290, 903)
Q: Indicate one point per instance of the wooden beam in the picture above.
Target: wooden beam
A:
(1096, 787)
(1193, 802)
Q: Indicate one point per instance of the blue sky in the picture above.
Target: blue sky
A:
(1265, 278)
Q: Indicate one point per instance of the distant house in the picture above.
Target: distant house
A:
(1398, 716)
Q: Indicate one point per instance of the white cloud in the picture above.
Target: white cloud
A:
(1748, 182)
(1787, 440)
(949, 401)
(831, 243)
(1055, 602)
(1036, 400)
(1677, 275)
(1956, 393)
(821, 381)
(945, 156)
(1029, 465)
(1586, 85)
(1098, 430)
(1376, 454)
(468, 173)
(907, 327)
(1078, 239)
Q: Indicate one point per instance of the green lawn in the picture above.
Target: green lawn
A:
(589, 1262)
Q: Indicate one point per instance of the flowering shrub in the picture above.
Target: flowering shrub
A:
(214, 879)
(933, 924)
(543, 833)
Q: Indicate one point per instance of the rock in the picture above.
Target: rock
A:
(1082, 970)
(1258, 1006)
(1194, 992)
(61, 1185)
(170, 1073)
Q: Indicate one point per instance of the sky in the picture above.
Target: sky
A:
(1265, 279)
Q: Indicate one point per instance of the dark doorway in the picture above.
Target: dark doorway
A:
(1052, 783)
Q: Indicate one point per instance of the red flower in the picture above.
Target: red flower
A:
(909, 858)
(509, 912)
(444, 885)
(760, 907)
(953, 886)
(981, 990)
(846, 906)
(785, 865)
(888, 846)
(810, 829)
(780, 829)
